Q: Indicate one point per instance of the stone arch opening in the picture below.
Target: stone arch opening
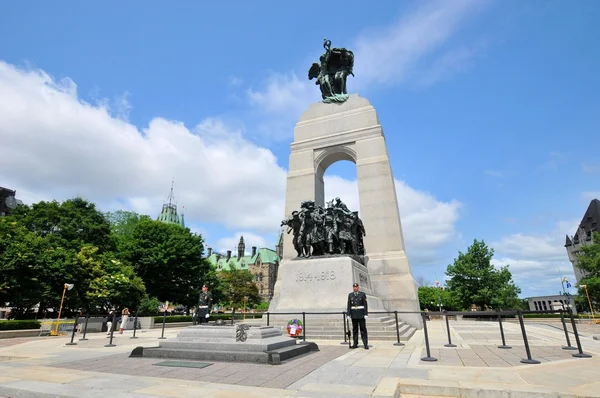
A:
(326, 157)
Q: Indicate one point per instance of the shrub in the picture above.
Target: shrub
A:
(20, 325)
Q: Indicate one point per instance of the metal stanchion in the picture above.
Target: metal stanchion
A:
(134, 326)
(397, 330)
(529, 360)
(562, 320)
(428, 358)
(162, 336)
(112, 329)
(504, 346)
(87, 318)
(74, 330)
(303, 326)
(268, 318)
(448, 330)
(580, 354)
(345, 331)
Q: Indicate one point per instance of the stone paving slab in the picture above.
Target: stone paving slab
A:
(474, 368)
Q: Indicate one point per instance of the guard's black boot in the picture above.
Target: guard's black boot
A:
(366, 347)
(354, 346)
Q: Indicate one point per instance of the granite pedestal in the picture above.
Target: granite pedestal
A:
(234, 343)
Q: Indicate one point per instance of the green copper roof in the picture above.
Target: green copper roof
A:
(169, 215)
(267, 256)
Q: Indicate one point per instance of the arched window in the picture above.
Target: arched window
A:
(260, 276)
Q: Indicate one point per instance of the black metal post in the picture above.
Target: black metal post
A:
(112, 329)
(428, 358)
(134, 326)
(344, 322)
(580, 354)
(504, 346)
(303, 326)
(562, 319)
(397, 330)
(268, 318)
(448, 330)
(74, 330)
(162, 336)
(87, 318)
(529, 360)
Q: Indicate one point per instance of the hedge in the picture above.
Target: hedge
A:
(19, 325)
(188, 318)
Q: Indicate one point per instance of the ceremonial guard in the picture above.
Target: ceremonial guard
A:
(358, 311)
(204, 305)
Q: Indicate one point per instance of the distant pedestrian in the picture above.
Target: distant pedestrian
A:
(109, 323)
(124, 316)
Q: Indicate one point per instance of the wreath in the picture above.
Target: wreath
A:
(294, 328)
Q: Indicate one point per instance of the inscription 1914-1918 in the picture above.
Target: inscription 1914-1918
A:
(316, 277)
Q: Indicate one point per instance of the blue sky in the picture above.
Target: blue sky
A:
(489, 110)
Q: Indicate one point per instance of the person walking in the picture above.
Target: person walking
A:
(124, 316)
(109, 323)
(204, 305)
(358, 312)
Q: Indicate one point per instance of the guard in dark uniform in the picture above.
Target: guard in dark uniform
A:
(358, 311)
(204, 305)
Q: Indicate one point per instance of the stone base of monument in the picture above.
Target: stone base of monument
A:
(230, 343)
(320, 284)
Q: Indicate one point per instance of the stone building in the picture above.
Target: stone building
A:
(263, 263)
(583, 235)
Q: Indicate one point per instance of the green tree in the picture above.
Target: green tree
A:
(148, 306)
(169, 259)
(239, 288)
(588, 260)
(431, 296)
(474, 280)
(21, 266)
(114, 284)
(122, 224)
(70, 224)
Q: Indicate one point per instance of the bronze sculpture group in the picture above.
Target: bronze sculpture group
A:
(319, 231)
(332, 71)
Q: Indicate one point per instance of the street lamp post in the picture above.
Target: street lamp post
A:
(67, 286)
(589, 302)
(564, 292)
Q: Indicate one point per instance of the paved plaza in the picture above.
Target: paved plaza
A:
(46, 367)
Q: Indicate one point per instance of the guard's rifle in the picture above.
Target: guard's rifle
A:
(349, 333)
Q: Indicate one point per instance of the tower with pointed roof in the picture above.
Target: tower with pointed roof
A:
(168, 213)
(583, 236)
(263, 263)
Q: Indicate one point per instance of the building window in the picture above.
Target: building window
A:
(536, 305)
(544, 303)
(260, 277)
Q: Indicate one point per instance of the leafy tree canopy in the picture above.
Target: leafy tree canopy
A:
(474, 280)
(240, 288)
(588, 260)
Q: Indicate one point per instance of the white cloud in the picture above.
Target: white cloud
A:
(250, 239)
(589, 196)
(590, 168)
(535, 259)
(54, 145)
(404, 48)
(494, 173)
(428, 224)
(410, 48)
